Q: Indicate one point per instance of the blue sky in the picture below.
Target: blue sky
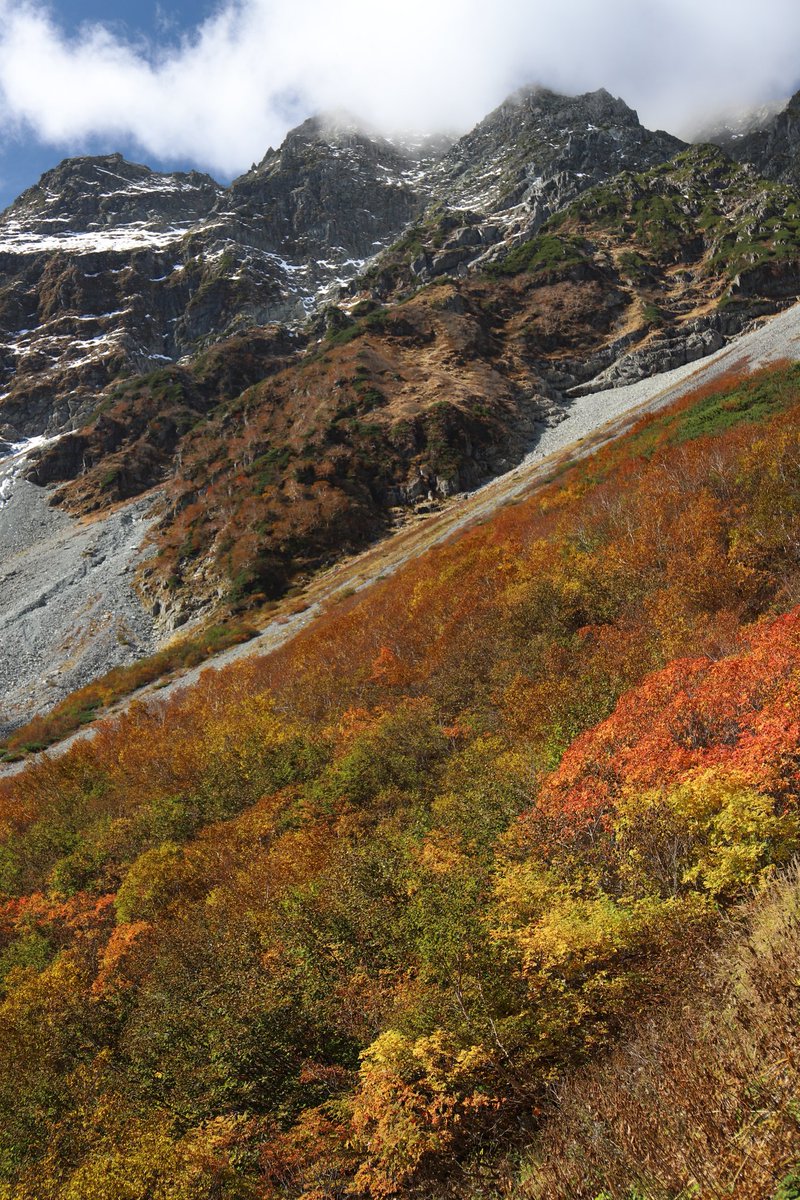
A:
(214, 83)
(23, 157)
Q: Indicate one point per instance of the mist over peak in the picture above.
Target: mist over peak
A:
(224, 91)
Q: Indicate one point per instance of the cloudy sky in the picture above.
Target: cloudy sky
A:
(212, 84)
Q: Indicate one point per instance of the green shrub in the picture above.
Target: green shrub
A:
(789, 1187)
(156, 879)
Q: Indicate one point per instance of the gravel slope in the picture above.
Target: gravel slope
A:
(777, 339)
(68, 612)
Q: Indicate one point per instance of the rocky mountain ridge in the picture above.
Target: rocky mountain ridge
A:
(108, 268)
(773, 148)
(525, 161)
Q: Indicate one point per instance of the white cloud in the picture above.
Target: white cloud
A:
(237, 83)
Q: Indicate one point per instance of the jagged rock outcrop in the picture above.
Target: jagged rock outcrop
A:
(330, 190)
(108, 268)
(774, 147)
(499, 184)
(675, 348)
(525, 161)
(539, 149)
(91, 284)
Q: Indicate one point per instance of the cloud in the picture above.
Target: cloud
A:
(221, 94)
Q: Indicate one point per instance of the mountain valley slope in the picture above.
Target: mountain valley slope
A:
(338, 919)
(592, 421)
(471, 870)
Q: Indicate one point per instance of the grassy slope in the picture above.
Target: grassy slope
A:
(82, 707)
(705, 1095)
(343, 940)
(700, 210)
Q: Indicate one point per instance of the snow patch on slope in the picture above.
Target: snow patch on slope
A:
(17, 239)
(13, 461)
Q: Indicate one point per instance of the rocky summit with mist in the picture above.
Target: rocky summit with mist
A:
(356, 327)
(109, 268)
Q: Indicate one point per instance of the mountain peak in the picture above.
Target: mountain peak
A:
(102, 191)
(537, 100)
(539, 149)
(112, 172)
(330, 133)
(771, 144)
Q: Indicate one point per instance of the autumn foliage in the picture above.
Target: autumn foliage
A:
(335, 922)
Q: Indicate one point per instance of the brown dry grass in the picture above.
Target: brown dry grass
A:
(704, 1102)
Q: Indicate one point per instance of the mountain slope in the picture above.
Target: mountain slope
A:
(281, 448)
(527, 160)
(500, 182)
(339, 920)
(106, 266)
(166, 263)
(430, 396)
(593, 420)
(334, 922)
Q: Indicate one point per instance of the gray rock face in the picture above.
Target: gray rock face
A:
(773, 149)
(104, 193)
(91, 282)
(69, 610)
(107, 267)
(329, 191)
(694, 341)
(539, 150)
(527, 160)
